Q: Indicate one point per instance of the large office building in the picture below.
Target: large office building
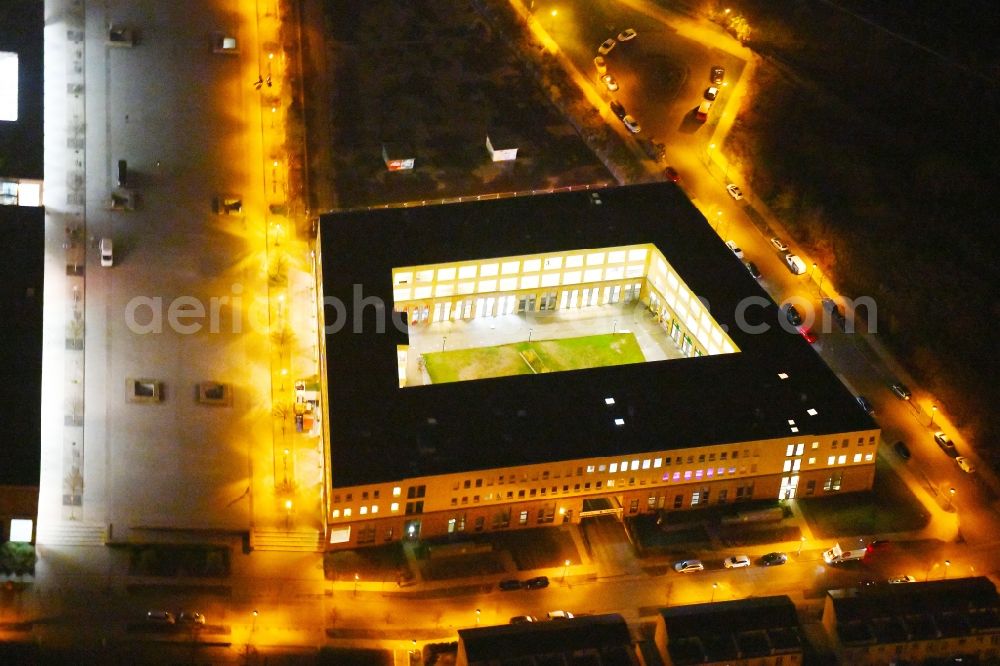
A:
(724, 402)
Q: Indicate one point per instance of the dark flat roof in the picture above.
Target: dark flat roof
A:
(606, 634)
(916, 611)
(380, 432)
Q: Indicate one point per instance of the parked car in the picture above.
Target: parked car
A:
(865, 405)
(753, 270)
(734, 191)
(718, 75)
(944, 441)
(510, 584)
(671, 174)
(631, 124)
(900, 391)
(606, 46)
(830, 306)
(610, 82)
(779, 244)
(902, 450)
(773, 559)
(735, 248)
(560, 615)
(523, 619)
(627, 35)
(536, 583)
(107, 253)
(601, 65)
(191, 618)
(701, 113)
(902, 579)
(689, 566)
(795, 264)
(793, 316)
(711, 93)
(965, 464)
(160, 617)
(617, 109)
(737, 561)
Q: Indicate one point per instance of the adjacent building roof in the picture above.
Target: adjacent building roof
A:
(380, 432)
(916, 611)
(604, 639)
(730, 630)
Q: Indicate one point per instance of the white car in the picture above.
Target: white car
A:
(689, 566)
(601, 65)
(627, 34)
(965, 464)
(795, 264)
(902, 579)
(735, 248)
(107, 253)
(737, 561)
(711, 93)
(610, 82)
(606, 46)
(560, 615)
(779, 244)
(631, 124)
(734, 191)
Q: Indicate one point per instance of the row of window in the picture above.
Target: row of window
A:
(636, 464)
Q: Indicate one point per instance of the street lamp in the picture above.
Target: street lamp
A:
(933, 413)
(715, 586)
(443, 341)
(477, 617)
(565, 569)
(356, 584)
(530, 331)
(802, 542)
(951, 499)
(947, 563)
(288, 512)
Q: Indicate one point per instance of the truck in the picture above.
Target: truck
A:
(838, 555)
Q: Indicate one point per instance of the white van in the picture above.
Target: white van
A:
(107, 253)
(795, 264)
(702, 113)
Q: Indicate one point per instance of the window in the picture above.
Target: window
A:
(633, 506)
(522, 518)
(724, 455)
(414, 492)
(520, 494)
(814, 446)
(364, 495)
(842, 460)
(414, 508)
(480, 522)
(831, 460)
(811, 487)
(635, 465)
(790, 450)
(467, 484)
(723, 494)
(479, 483)
(614, 468)
(799, 448)
(658, 462)
(812, 461)
(363, 511)
(388, 534)
(646, 463)
(857, 457)
(651, 502)
(454, 501)
(590, 469)
(678, 501)
(336, 513)
(347, 513)
(394, 506)
(868, 457)
(366, 534)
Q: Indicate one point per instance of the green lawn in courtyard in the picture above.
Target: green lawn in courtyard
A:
(591, 351)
